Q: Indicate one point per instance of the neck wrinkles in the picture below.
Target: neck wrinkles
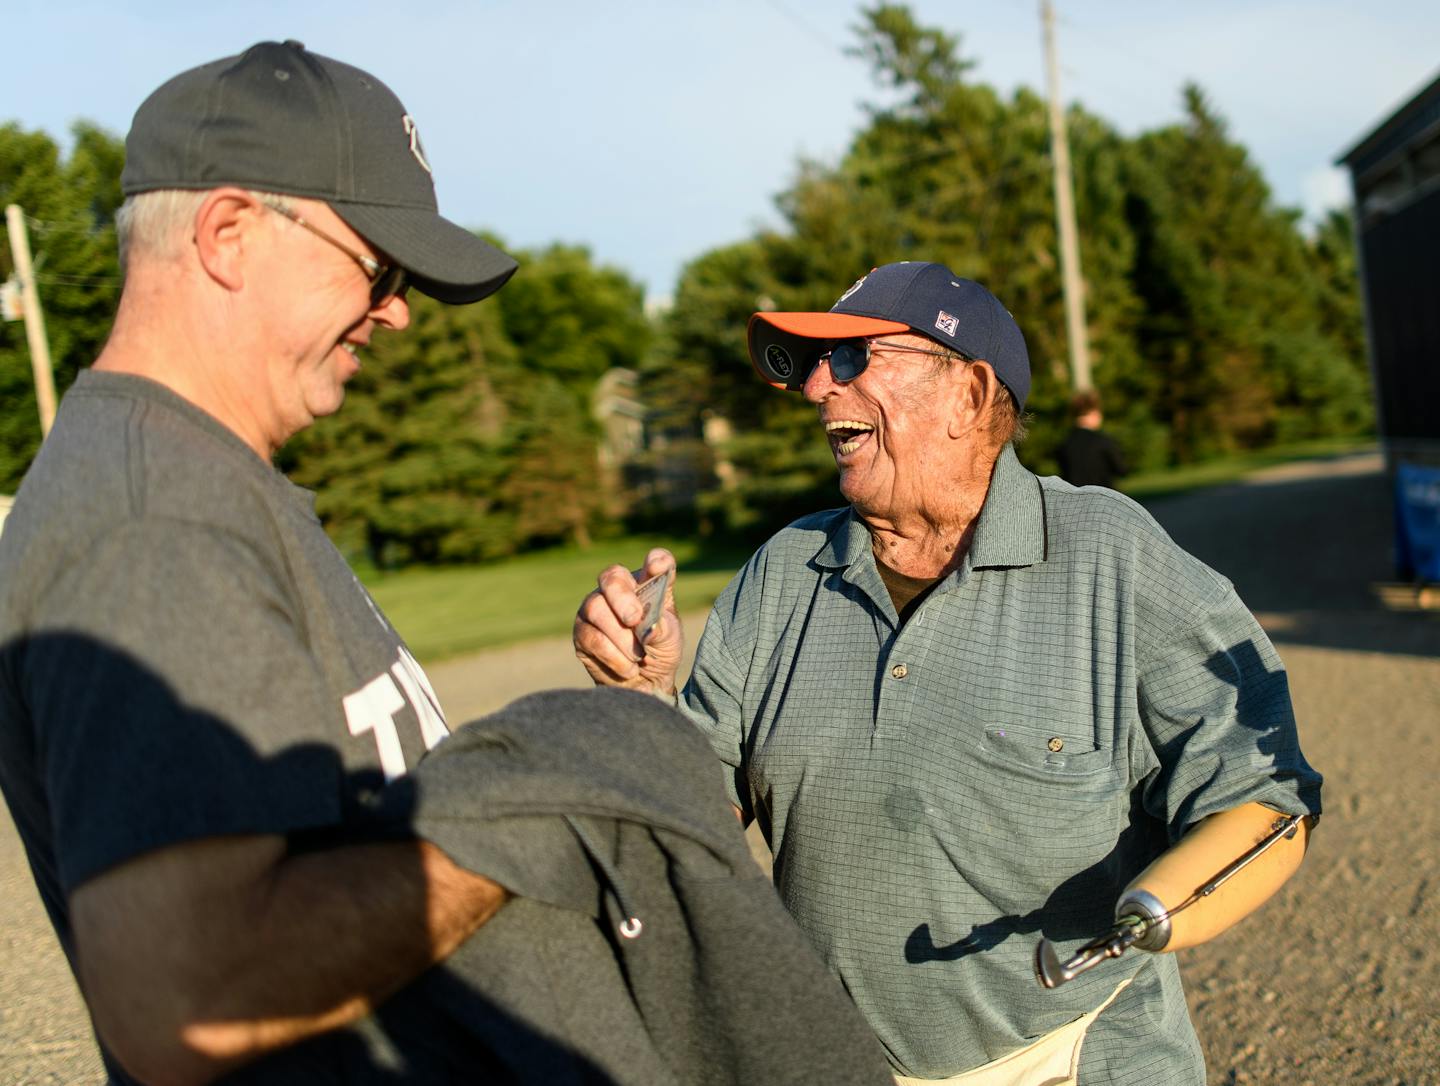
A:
(931, 538)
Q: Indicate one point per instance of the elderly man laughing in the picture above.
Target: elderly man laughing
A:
(972, 706)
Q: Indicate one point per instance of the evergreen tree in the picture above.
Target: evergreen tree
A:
(410, 468)
(1341, 400)
(1231, 320)
(469, 435)
(573, 319)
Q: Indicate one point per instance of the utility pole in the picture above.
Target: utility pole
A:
(1072, 284)
(34, 320)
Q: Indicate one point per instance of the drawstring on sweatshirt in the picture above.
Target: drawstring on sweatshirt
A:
(630, 927)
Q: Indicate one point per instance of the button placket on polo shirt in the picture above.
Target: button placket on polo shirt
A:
(900, 679)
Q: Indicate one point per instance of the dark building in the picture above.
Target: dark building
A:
(1395, 173)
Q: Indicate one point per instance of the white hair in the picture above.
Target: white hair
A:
(158, 223)
(1007, 424)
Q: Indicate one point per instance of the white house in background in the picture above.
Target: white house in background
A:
(4, 510)
(621, 415)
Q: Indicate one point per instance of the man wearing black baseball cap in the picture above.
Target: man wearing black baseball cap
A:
(974, 708)
(282, 119)
(207, 727)
(197, 695)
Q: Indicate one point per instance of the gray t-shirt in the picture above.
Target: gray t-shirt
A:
(183, 652)
(942, 793)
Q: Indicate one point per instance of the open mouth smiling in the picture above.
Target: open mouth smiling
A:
(847, 435)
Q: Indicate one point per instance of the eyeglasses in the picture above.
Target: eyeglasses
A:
(848, 358)
(386, 280)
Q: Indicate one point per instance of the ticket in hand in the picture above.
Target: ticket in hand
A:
(652, 598)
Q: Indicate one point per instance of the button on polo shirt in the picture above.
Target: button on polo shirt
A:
(926, 830)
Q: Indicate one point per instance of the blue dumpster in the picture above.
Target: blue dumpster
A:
(1417, 522)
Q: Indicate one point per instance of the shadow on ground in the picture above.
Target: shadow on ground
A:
(1310, 555)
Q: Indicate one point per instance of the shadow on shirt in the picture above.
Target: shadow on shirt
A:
(596, 800)
(1082, 907)
(121, 767)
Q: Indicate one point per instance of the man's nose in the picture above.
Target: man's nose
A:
(820, 382)
(393, 312)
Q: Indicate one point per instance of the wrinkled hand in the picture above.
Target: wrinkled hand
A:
(604, 632)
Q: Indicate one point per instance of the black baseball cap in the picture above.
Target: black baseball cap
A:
(279, 118)
(910, 296)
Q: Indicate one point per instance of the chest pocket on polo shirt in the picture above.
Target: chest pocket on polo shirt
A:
(1060, 753)
(1046, 729)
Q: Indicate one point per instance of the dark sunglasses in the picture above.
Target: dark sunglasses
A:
(848, 358)
(386, 280)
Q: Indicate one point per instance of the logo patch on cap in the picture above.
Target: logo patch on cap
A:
(853, 288)
(415, 148)
(778, 359)
(946, 323)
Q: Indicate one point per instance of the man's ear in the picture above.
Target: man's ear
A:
(224, 227)
(978, 385)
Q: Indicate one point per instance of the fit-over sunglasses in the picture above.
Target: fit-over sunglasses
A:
(848, 358)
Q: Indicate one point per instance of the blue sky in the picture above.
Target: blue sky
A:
(653, 131)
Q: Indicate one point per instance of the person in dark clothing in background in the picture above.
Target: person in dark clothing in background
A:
(1088, 455)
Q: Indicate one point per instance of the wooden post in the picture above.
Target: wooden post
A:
(34, 319)
(1073, 285)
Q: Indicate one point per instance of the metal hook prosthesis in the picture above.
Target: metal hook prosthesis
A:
(1142, 920)
(1051, 972)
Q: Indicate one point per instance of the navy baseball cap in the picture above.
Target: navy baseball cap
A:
(910, 296)
(279, 118)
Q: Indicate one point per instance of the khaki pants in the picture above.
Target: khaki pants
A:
(1053, 1060)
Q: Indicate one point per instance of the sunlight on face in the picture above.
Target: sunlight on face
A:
(888, 427)
(321, 319)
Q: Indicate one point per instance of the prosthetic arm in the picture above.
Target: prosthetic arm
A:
(1220, 872)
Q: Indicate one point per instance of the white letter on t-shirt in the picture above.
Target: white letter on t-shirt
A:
(373, 708)
(416, 684)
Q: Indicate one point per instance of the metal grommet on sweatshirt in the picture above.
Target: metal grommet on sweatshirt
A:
(630, 927)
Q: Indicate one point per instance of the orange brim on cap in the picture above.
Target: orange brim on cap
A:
(831, 325)
(784, 347)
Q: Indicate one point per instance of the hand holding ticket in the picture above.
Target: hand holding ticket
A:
(622, 644)
(652, 598)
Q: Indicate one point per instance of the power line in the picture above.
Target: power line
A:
(40, 226)
(1165, 67)
(1114, 88)
(810, 28)
(1160, 66)
(64, 280)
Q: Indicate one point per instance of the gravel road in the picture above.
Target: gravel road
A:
(1334, 981)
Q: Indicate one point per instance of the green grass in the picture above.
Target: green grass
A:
(454, 610)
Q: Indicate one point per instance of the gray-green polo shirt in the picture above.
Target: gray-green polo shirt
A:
(1053, 715)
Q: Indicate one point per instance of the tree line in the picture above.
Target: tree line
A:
(1216, 323)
